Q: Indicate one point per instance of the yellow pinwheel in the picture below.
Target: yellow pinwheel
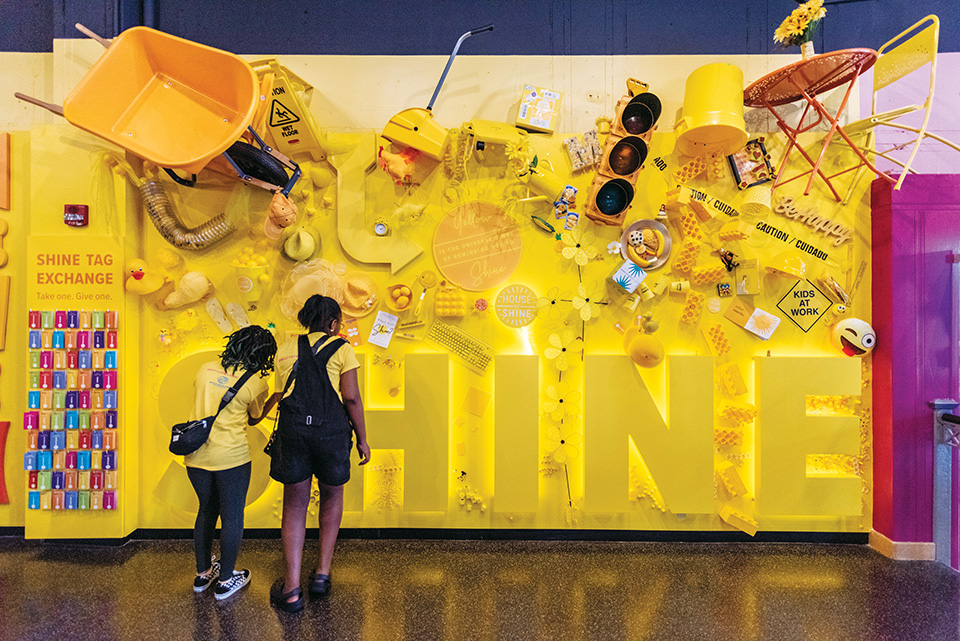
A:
(563, 442)
(588, 300)
(549, 306)
(562, 402)
(578, 246)
(561, 347)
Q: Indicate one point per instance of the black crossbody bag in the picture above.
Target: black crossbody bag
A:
(186, 438)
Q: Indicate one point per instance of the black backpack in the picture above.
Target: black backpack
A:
(313, 401)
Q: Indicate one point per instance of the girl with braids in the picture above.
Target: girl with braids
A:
(220, 469)
(319, 411)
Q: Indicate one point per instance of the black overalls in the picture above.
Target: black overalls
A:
(313, 431)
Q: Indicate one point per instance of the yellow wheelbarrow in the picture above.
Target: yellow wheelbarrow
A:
(175, 103)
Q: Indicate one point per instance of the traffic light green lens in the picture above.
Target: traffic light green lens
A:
(614, 197)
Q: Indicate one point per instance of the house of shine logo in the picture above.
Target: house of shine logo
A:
(516, 305)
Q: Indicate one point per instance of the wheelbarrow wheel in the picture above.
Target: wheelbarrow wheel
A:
(257, 163)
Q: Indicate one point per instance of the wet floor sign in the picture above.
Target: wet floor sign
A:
(288, 120)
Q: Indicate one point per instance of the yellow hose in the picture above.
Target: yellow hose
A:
(161, 213)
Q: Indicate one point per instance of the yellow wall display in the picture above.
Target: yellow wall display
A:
(505, 397)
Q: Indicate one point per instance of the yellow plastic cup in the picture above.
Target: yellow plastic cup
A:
(712, 111)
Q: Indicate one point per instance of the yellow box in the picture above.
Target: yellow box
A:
(539, 109)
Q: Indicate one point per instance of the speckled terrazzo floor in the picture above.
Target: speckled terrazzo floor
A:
(486, 590)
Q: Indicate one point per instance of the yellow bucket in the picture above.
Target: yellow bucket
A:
(712, 111)
(416, 128)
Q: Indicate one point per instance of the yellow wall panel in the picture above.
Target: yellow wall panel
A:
(786, 435)
(677, 449)
(421, 429)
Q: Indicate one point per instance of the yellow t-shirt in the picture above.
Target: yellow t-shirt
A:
(343, 360)
(227, 445)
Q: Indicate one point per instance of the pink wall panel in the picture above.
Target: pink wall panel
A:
(915, 233)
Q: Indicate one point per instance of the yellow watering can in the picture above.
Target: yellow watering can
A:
(416, 127)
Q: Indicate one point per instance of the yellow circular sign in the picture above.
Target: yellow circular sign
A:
(516, 305)
(477, 246)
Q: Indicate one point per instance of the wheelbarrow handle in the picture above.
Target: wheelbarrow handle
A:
(49, 106)
(90, 34)
(436, 92)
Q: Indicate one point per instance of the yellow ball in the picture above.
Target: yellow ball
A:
(645, 350)
(321, 177)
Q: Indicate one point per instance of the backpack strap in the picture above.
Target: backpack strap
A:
(328, 351)
(232, 392)
(323, 355)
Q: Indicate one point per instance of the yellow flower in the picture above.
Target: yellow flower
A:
(562, 402)
(579, 246)
(798, 27)
(561, 347)
(588, 301)
(780, 35)
(563, 443)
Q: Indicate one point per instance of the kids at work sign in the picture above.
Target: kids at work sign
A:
(477, 246)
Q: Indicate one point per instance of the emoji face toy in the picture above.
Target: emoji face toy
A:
(853, 337)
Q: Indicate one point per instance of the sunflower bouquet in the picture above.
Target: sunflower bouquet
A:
(801, 24)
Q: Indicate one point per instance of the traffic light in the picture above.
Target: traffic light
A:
(624, 152)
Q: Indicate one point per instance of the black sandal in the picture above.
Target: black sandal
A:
(319, 585)
(279, 600)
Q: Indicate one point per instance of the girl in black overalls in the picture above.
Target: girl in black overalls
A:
(313, 438)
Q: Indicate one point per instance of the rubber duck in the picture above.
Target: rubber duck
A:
(186, 321)
(142, 280)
